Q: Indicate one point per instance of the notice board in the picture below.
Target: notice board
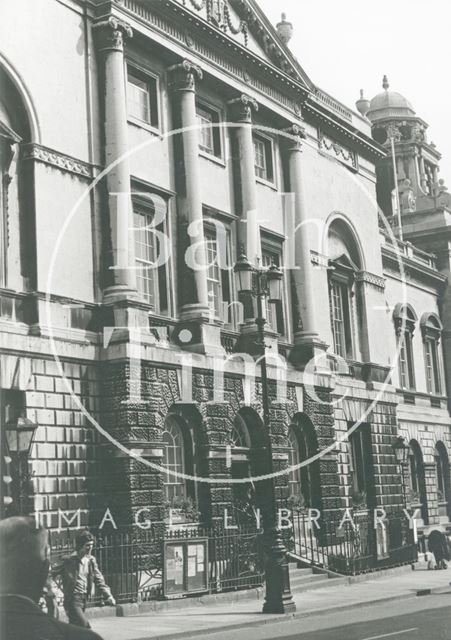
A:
(185, 566)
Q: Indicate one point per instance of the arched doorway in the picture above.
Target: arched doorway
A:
(247, 462)
(417, 486)
(304, 481)
(443, 481)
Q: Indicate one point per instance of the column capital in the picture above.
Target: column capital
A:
(296, 136)
(242, 107)
(111, 34)
(184, 76)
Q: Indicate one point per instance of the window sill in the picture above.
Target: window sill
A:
(141, 124)
(266, 183)
(212, 158)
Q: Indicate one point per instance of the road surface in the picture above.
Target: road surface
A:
(420, 618)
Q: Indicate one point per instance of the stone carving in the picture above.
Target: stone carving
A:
(59, 160)
(296, 134)
(218, 13)
(393, 133)
(407, 197)
(338, 151)
(184, 76)
(111, 33)
(371, 278)
(242, 108)
(442, 196)
(418, 133)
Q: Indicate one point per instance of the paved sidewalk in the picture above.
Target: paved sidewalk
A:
(193, 621)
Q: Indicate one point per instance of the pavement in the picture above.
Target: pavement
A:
(223, 616)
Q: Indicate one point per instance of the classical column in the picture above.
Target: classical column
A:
(248, 228)
(195, 295)
(306, 338)
(110, 40)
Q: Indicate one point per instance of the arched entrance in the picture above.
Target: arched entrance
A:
(417, 485)
(443, 481)
(246, 462)
(304, 482)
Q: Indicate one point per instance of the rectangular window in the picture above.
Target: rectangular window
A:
(274, 310)
(413, 473)
(341, 318)
(218, 277)
(263, 159)
(151, 277)
(142, 100)
(208, 120)
(432, 366)
(406, 372)
(361, 462)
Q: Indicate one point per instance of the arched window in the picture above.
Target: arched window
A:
(431, 329)
(345, 303)
(17, 236)
(405, 318)
(173, 460)
(240, 436)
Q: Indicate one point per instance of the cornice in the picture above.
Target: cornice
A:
(61, 161)
(420, 272)
(165, 17)
(344, 129)
(378, 282)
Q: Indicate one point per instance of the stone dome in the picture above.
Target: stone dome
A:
(389, 104)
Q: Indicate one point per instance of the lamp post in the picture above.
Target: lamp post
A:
(19, 434)
(401, 450)
(265, 284)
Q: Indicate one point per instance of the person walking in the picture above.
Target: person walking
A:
(24, 568)
(438, 544)
(79, 574)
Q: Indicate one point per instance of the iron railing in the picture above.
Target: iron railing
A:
(351, 547)
(131, 560)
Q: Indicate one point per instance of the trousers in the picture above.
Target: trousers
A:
(75, 609)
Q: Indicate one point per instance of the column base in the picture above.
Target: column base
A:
(309, 348)
(248, 342)
(197, 333)
(119, 293)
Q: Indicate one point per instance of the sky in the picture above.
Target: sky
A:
(348, 45)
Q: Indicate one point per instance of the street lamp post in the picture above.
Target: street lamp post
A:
(19, 434)
(262, 284)
(401, 450)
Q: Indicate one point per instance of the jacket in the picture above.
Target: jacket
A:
(22, 619)
(68, 569)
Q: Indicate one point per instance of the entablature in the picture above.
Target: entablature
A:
(288, 90)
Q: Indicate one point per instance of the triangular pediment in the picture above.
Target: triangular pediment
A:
(344, 262)
(245, 22)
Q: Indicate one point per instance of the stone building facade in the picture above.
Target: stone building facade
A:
(162, 127)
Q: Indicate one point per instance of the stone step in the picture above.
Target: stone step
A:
(307, 579)
(321, 584)
(301, 571)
